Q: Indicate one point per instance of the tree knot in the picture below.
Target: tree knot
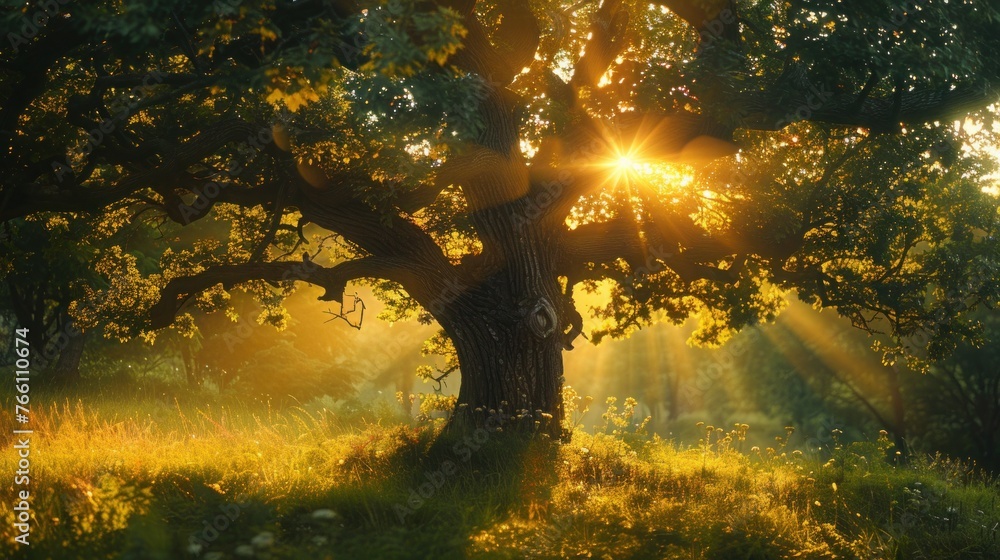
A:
(541, 317)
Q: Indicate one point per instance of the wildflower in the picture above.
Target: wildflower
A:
(263, 540)
(194, 548)
(244, 550)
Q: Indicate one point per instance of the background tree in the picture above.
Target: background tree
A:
(822, 384)
(479, 162)
(957, 405)
(44, 266)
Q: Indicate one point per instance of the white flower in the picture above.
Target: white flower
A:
(325, 514)
(263, 540)
(194, 548)
(319, 540)
(244, 550)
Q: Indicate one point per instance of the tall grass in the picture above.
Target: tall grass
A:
(147, 476)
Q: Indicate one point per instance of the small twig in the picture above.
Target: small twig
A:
(354, 308)
(444, 373)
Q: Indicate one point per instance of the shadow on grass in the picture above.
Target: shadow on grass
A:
(434, 500)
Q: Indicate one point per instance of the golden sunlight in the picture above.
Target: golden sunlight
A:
(625, 163)
(628, 169)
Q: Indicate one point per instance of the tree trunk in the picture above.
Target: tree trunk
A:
(508, 325)
(190, 364)
(509, 375)
(67, 367)
(898, 413)
(673, 395)
(508, 334)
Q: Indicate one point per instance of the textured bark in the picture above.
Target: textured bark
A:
(508, 326)
(510, 350)
(507, 320)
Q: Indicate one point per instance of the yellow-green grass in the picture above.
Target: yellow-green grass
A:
(146, 477)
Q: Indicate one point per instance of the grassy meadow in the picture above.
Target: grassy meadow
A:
(145, 474)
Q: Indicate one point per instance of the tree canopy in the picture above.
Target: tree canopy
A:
(478, 163)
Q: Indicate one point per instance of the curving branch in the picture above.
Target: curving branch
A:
(333, 279)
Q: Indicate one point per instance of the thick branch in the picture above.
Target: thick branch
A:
(697, 13)
(334, 280)
(605, 243)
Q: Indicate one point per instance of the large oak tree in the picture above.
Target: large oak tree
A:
(479, 163)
